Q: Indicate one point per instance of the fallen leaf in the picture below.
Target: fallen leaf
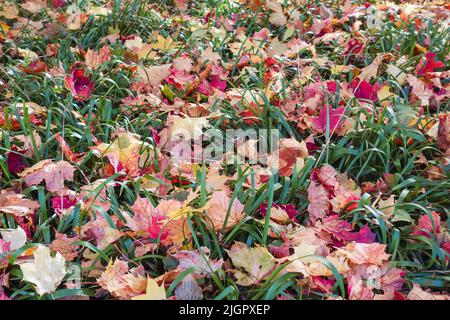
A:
(366, 253)
(200, 261)
(122, 282)
(17, 238)
(53, 174)
(188, 289)
(45, 272)
(217, 208)
(95, 59)
(417, 293)
(257, 262)
(123, 153)
(153, 292)
(9, 11)
(65, 246)
(14, 203)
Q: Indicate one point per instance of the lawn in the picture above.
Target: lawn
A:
(231, 149)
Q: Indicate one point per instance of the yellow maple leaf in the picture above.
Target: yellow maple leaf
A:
(153, 292)
(4, 28)
(256, 263)
(164, 44)
(384, 93)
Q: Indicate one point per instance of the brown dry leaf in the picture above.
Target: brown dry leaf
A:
(53, 174)
(387, 206)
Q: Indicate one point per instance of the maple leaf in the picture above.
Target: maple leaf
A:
(364, 90)
(177, 231)
(71, 156)
(417, 293)
(164, 44)
(384, 93)
(217, 208)
(371, 70)
(428, 63)
(319, 203)
(183, 64)
(334, 116)
(257, 262)
(27, 148)
(428, 225)
(198, 260)
(443, 139)
(277, 17)
(94, 195)
(304, 251)
(45, 272)
(9, 11)
(142, 219)
(123, 153)
(295, 265)
(216, 182)
(53, 174)
(17, 238)
(178, 134)
(34, 6)
(366, 253)
(209, 55)
(79, 83)
(122, 282)
(290, 152)
(13, 203)
(95, 59)
(419, 89)
(100, 230)
(65, 246)
(153, 291)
